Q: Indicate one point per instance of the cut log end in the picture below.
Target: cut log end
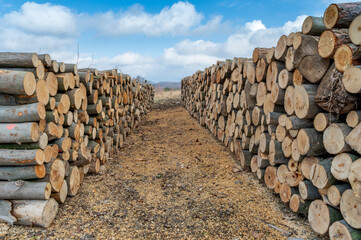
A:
(330, 16)
(29, 83)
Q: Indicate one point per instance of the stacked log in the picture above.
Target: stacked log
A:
(290, 114)
(57, 124)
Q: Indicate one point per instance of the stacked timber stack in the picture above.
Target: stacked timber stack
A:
(290, 114)
(58, 124)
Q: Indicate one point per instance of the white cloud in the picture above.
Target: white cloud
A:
(42, 19)
(178, 19)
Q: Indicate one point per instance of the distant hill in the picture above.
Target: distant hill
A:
(171, 85)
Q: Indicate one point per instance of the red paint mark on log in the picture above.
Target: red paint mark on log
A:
(20, 114)
(10, 126)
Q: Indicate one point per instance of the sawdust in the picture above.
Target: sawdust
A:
(172, 180)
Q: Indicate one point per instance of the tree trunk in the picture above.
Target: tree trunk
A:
(60, 196)
(305, 105)
(309, 142)
(19, 132)
(354, 31)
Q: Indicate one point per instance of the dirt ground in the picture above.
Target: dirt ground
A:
(172, 180)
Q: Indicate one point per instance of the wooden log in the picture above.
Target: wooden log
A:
(354, 177)
(60, 196)
(331, 96)
(285, 78)
(341, 165)
(270, 177)
(297, 204)
(35, 212)
(22, 172)
(321, 216)
(313, 26)
(354, 31)
(17, 82)
(277, 94)
(276, 155)
(350, 208)
(24, 113)
(73, 181)
(353, 118)
(21, 60)
(334, 193)
(289, 100)
(294, 178)
(19, 132)
(321, 175)
(306, 165)
(22, 190)
(281, 48)
(10, 157)
(340, 230)
(286, 192)
(294, 123)
(351, 79)
(334, 138)
(309, 142)
(305, 105)
(313, 68)
(273, 70)
(289, 59)
(330, 40)
(341, 15)
(323, 120)
(261, 70)
(308, 191)
(347, 55)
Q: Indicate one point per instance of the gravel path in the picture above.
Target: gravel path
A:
(172, 180)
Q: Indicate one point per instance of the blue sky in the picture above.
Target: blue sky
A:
(159, 40)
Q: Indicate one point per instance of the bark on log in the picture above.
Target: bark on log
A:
(5, 212)
(297, 204)
(308, 191)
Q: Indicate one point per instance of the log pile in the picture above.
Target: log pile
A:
(290, 114)
(58, 123)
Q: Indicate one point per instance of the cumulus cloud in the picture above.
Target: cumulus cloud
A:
(178, 19)
(42, 19)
